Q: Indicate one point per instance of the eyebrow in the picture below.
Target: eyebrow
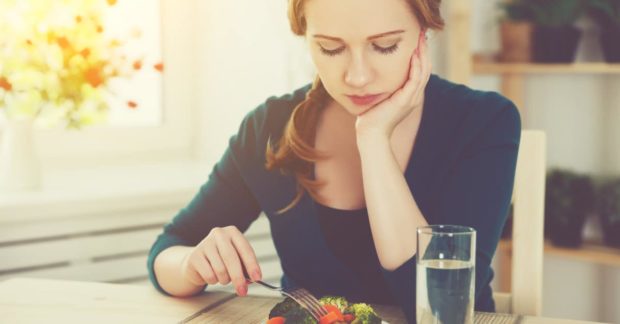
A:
(369, 37)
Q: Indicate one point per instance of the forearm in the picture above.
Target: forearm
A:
(168, 271)
(393, 213)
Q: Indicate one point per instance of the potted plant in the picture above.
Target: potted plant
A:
(555, 37)
(516, 29)
(607, 15)
(568, 200)
(608, 210)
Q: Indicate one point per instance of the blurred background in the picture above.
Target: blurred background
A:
(112, 114)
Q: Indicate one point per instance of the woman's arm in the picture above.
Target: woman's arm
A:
(476, 194)
(392, 210)
(223, 201)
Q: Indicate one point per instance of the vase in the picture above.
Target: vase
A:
(556, 44)
(516, 40)
(610, 44)
(19, 162)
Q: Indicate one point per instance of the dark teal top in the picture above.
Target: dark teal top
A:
(461, 172)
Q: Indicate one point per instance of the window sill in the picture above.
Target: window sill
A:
(99, 190)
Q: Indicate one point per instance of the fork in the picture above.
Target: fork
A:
(302, 296)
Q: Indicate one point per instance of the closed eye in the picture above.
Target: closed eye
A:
(380, 49)
(331, 52)
(385, 50)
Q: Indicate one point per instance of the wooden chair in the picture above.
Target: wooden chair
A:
(527, 229)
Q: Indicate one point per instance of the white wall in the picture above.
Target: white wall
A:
(246, 53)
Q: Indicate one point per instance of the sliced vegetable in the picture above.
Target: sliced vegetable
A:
(332, 308)
(331, 317)
(276, 320)
(337, 301)
(349, 318)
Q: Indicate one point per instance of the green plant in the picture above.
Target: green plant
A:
(517, 10)
(569, 198)
(556, 13)
(606, 12)
(608, 209)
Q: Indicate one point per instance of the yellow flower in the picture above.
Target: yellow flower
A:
(56, 62)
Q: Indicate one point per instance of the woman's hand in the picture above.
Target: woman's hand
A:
(222, 257)
(381, 119)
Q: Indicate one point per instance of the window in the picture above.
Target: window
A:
(163, 123)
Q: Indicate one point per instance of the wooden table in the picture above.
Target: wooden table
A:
(56, 301)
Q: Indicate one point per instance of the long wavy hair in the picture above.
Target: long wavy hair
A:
(294, 152)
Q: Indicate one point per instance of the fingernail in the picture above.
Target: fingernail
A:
(256, 275)
(241, 290)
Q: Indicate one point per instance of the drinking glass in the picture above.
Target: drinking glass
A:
(445, 267)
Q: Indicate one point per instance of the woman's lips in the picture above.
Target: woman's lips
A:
(364, 100)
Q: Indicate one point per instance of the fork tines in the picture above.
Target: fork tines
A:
(304, 297)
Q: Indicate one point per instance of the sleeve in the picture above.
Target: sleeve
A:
(223, 200)
(478, 194)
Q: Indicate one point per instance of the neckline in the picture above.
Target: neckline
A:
(342, 211)
(428, 95)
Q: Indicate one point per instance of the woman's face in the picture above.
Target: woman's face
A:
(361, 48)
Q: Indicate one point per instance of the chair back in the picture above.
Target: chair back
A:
(527, 229)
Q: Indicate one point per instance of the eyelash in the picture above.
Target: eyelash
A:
(381, 50)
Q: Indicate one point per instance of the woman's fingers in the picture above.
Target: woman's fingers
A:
(247, 255)
(194, 277)
(202, 266)
(217, 264)
(409, 90)
(231, 259)
(222, 257)
(426, 60)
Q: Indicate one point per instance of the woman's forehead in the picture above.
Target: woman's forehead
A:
(349, 19)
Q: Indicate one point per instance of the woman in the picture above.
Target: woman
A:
(347, 169)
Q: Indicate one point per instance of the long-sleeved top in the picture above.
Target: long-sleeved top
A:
(460, 172)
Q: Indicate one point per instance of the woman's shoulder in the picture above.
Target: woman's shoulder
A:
(265, 123)
(459, 96)
(472, 109)
(271, 116)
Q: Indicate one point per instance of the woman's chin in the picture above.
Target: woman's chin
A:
(358, 110)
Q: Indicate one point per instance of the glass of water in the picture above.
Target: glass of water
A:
(445, 267)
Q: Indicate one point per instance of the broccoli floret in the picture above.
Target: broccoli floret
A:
(283, 307)
(364, 314)
(299, 316)
(290, 309)
(339, 302)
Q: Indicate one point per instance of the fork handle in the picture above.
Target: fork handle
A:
(264, 284)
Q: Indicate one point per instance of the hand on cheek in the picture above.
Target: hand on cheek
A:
(381, 119)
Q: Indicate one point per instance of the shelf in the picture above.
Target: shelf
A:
(588, 252)
(538, 68)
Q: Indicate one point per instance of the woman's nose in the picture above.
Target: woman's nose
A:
(358, 73)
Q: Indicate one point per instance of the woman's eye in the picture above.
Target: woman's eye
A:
(331, 52)
(385, 50)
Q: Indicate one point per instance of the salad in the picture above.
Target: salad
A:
(339, 311)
